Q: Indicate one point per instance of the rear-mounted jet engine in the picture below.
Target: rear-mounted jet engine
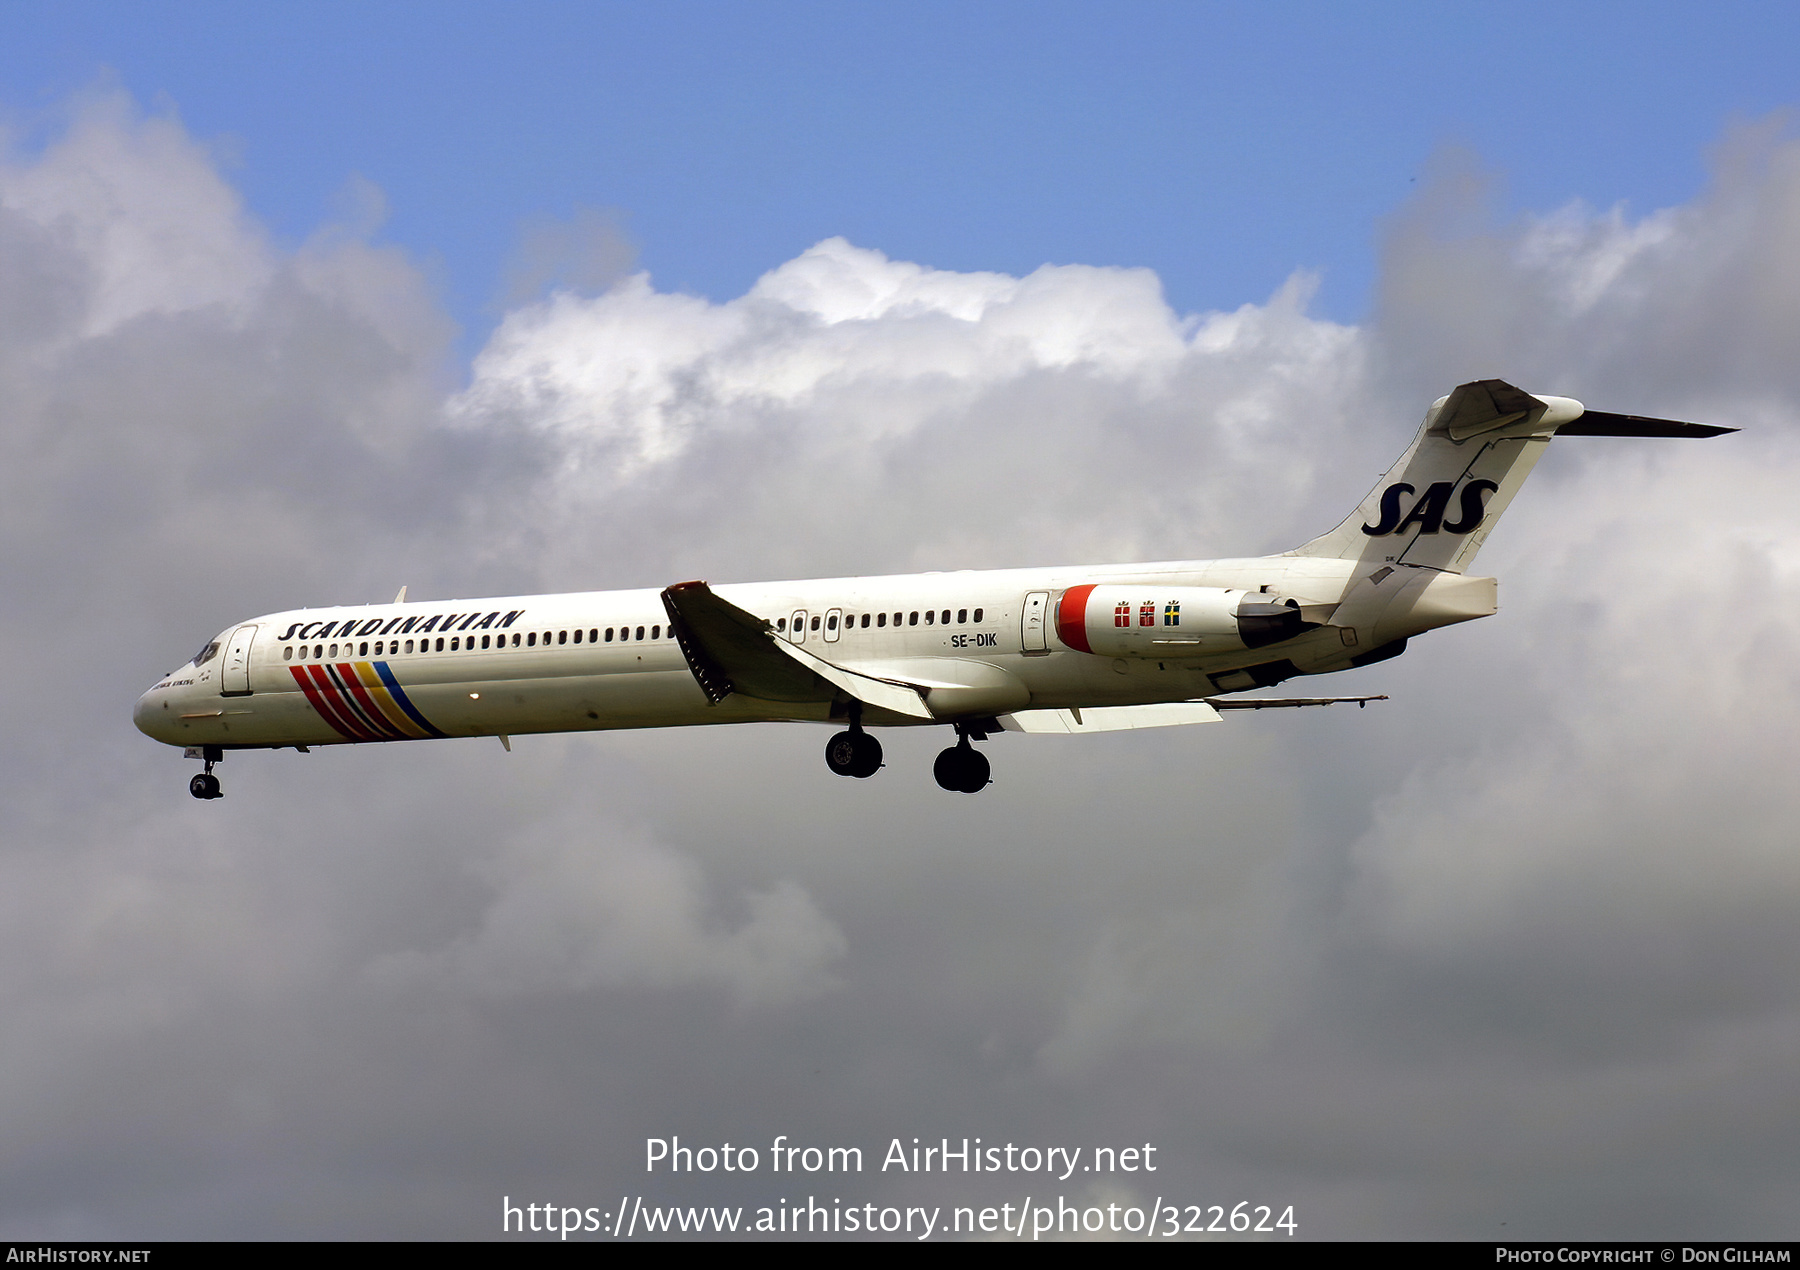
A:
(1140, 621)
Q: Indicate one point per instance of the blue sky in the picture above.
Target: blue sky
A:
(1222, 145)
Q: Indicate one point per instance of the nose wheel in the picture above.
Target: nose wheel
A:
(206, 786)
(962, 768)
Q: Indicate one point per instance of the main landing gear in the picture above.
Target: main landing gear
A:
(854, 753)
(962, 768)
(206, 785)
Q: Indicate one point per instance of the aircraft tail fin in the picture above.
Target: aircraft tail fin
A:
(1437, 504)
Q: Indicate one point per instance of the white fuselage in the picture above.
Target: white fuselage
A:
(1079, 649)
(607, 659)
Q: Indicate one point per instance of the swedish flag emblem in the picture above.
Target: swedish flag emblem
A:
(1172, 613)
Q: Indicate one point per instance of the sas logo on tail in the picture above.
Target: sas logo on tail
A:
(1428, 512)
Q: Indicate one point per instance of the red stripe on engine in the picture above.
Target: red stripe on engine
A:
(1071, 617)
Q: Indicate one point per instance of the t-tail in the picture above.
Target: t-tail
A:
(1423, 523)
(1436, 506)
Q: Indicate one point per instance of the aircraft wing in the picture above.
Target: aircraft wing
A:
(1172, 714)
(729, 650)
(1287, 703)
(890, 694)
(1109, 718)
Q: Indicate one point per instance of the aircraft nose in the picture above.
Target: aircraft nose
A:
(151, 717)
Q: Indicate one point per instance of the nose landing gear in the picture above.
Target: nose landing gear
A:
(206, 785)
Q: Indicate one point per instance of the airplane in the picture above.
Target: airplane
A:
(1043, 650)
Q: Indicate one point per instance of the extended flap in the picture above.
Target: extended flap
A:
(889, 694)
(1109, 718)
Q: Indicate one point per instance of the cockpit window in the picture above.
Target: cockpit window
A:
(206, 654)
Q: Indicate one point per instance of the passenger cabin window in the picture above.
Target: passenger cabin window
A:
(815, 624)
(656, 632)
(977, 615)
(287, 654)
(831, 622)
(593, 635)
(781, 624)
(914, 620)
(962, 615)
(881, 619)
(930, 614)
(946, 617)
(609, 634)
(640, 632)
(577, 637)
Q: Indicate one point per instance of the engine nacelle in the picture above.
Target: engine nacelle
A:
(1164, 621)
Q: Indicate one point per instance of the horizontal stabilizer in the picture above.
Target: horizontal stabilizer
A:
(1599, 423)
(1486, 405)
(1109, 718)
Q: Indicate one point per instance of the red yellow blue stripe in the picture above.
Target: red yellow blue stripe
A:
(363, 701)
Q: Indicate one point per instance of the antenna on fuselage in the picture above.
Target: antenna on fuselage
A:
(401, 598)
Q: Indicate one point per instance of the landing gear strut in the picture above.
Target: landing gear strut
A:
(854, 753)
(962, 768)
(206, 785)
